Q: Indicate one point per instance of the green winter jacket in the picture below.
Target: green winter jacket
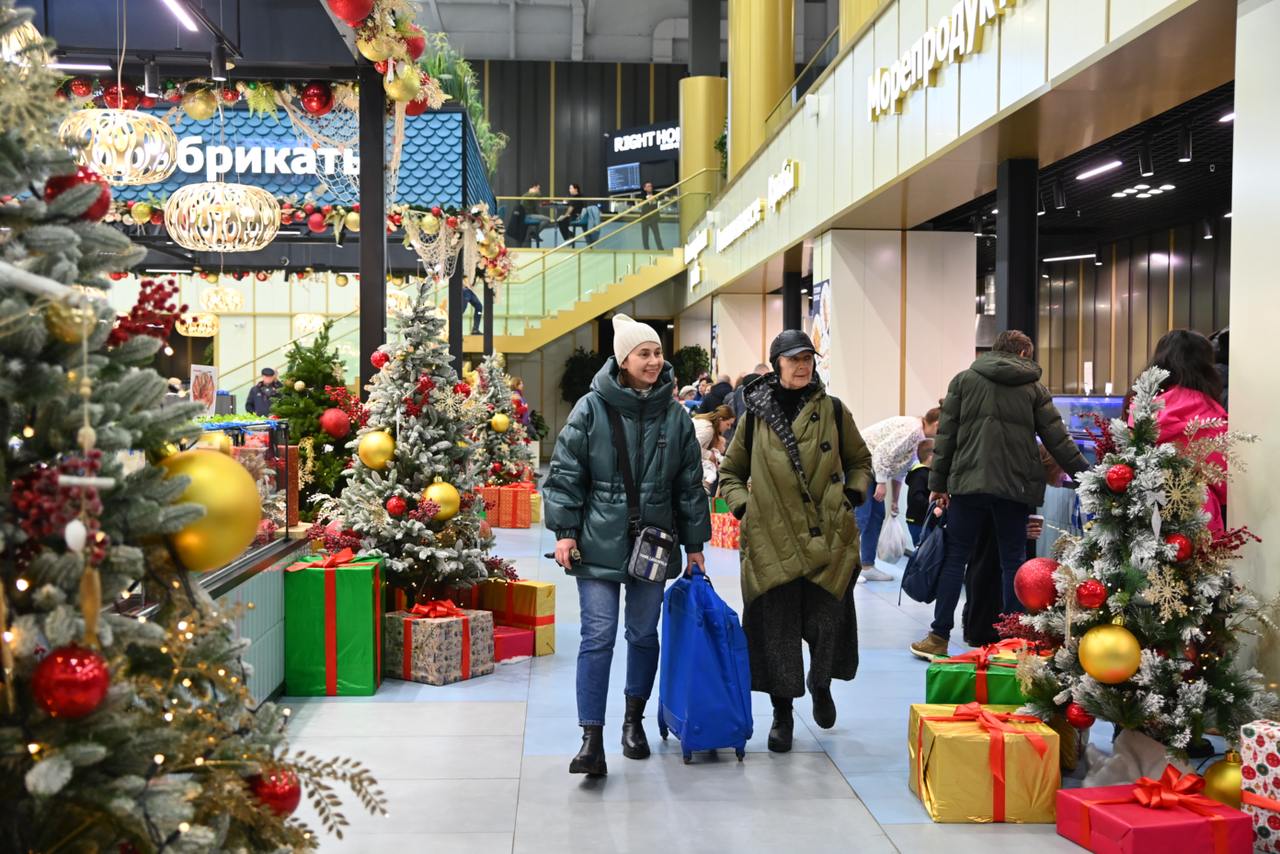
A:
(784, 536)
(583, 496)
(986, 442)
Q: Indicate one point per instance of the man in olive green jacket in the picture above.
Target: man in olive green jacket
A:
(986, 464)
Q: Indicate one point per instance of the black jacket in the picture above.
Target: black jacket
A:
(260, 396)
(718, 395)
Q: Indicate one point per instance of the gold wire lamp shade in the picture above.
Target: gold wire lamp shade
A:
(24, 47)
(220, 217)
(221, 300)
(127, 147)
(198, 325)
(307, 324)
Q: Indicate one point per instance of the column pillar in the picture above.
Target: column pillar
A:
(704, 38)
(487, 320)
(455, 316)
(792, 300)
(761, 67)
(373, 241)
(1255, 305)
(1017, 189)
(703, 102)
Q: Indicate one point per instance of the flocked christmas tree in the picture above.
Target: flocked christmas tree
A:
(117, 732)
(503, 453)
(1144, 608)
(411, 493)
(316, 426)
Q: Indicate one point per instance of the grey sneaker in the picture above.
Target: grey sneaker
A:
(931, 646)
(872, 573)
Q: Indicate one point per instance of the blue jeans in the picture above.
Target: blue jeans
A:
(469, 298)
(916, 531)
(598, 601)
(965, 517)
(870, 516)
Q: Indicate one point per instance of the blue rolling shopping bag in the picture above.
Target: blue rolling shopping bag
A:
(920, 578)
(704, 696)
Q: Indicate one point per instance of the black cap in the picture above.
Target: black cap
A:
(268, 372)
(790, 342)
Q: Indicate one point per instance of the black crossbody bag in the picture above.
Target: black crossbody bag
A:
(651, 546)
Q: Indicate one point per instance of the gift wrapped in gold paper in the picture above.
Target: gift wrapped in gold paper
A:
(974, 763)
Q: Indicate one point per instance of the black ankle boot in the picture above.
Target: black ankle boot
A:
(824, 706)
(783, 725)
(590, 759)
(634, 743)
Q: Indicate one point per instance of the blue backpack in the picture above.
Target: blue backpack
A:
(704, 695)
(920, 578)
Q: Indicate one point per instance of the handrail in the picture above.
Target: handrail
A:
(791, 87)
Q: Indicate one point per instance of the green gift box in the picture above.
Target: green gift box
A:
(981, 675)
(333, 626)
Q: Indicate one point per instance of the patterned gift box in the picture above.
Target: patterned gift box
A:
(1260, 776)
(490, 494)
(513, 508)
(510, 642)
(438, 643)
(524, 605)
(535, 507)
(332, 625)
(725, 531)
(975, 763)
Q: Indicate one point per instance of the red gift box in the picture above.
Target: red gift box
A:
(725, 529)
(1169, 815)
(490, 495)
(511, 642)
(513, 508)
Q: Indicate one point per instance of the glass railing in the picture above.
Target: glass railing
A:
(550, 222)
(809, 75)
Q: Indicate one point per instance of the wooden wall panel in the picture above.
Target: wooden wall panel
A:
(1202, 290)
(1180, 264)
(1158, 287)
(1089, 313)
(1139, 322)
(1071, 332)
(1123, 309)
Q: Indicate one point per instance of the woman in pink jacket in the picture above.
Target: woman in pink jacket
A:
(1192, 392)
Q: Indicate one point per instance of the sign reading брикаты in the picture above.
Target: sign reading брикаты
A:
(954, 37)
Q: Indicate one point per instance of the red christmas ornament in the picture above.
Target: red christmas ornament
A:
(317, 98)
(316, 222)
(416, 42)
(121, 97)
(229, 95)
(435, 210)
(1091, 593)
(462, 389)
(157, 217)
(299, 216)
(71, 682)
(351, 11)
(1119, 476)
(262, 275)
(59, 184)
(379, 359)
(1182, 544)
(380, 66)
(452, 222)
(308, 208)
(278, 791)
(1078, 717)
(81, 87)
(396, 506)
(496, 468)
(326, 210)
(335, 422)
(1033, 584)
(418, 105)
(147, 102)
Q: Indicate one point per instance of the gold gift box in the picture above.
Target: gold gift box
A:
(525, 605)
(955, 781)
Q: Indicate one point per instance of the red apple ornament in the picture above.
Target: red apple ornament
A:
(351, 11)
(1033, 584)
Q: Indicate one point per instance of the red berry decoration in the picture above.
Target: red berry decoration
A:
(1078, 717)
(1033, 584)
(435, 210)
(1091, 593)
(59, 184)
(335, 422)
(299, 216)
(1119, 476)
(71, 682)
(396, 506)
(308, 208)
(1182, 543)
(351, 11)
(379, 359)
(462, 389)
(317, 98)
(278, 791)
(316, 222)
(452, 222)
(81, 87)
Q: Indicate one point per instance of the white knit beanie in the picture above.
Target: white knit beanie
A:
(629, 334)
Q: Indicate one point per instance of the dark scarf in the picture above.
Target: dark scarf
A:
(778, 407)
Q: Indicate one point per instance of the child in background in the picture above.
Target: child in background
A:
(918, 490)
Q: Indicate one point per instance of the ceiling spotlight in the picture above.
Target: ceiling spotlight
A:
(1166, 187)
(1142, 186)
(1119, 195)
(1227, 215)
(1129, 191)
(1144, 195)
(1098, 170)
(1097, 257)
(1039, 203)
(1146, 166)
(1059, 196)
(1229, 117)
(151, 79)
(977, 226)
(1206, 229)
(1154, 191)
(1184, 145)
(183, 16)
(995, 211)
(218, 62)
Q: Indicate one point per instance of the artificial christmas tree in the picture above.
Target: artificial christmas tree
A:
(410, 494)
(314, 422)
(117, 733)
(1156, 650)
(503, 450)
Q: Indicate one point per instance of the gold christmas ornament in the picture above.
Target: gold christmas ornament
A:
(341, 280)
(221, 300)
(1222, 780)
(352, 221)
(70, 323)
(1110, 653)
(140, 213)
(221, 217)
(168, 449)
(376, 449)
(198, 325)
(233, 508)
(500, 422)
(215, 440)
(200, 104)
(431, 224)
(299, 386)
(446, 497)
(126, 147)
(404, 84)
(375, 48)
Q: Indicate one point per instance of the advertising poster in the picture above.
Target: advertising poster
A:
(204, 386)
(820, 327)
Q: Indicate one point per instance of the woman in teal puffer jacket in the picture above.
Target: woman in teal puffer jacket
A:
(585, 503)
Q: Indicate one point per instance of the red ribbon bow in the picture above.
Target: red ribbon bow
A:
(436, 609)
(981, 659)
(333, 561)
(1173, 790)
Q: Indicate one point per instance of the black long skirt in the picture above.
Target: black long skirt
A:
(777, 622)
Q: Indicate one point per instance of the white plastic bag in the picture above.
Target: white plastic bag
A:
(894, 539)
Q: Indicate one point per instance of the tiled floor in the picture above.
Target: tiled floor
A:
(481, 766)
